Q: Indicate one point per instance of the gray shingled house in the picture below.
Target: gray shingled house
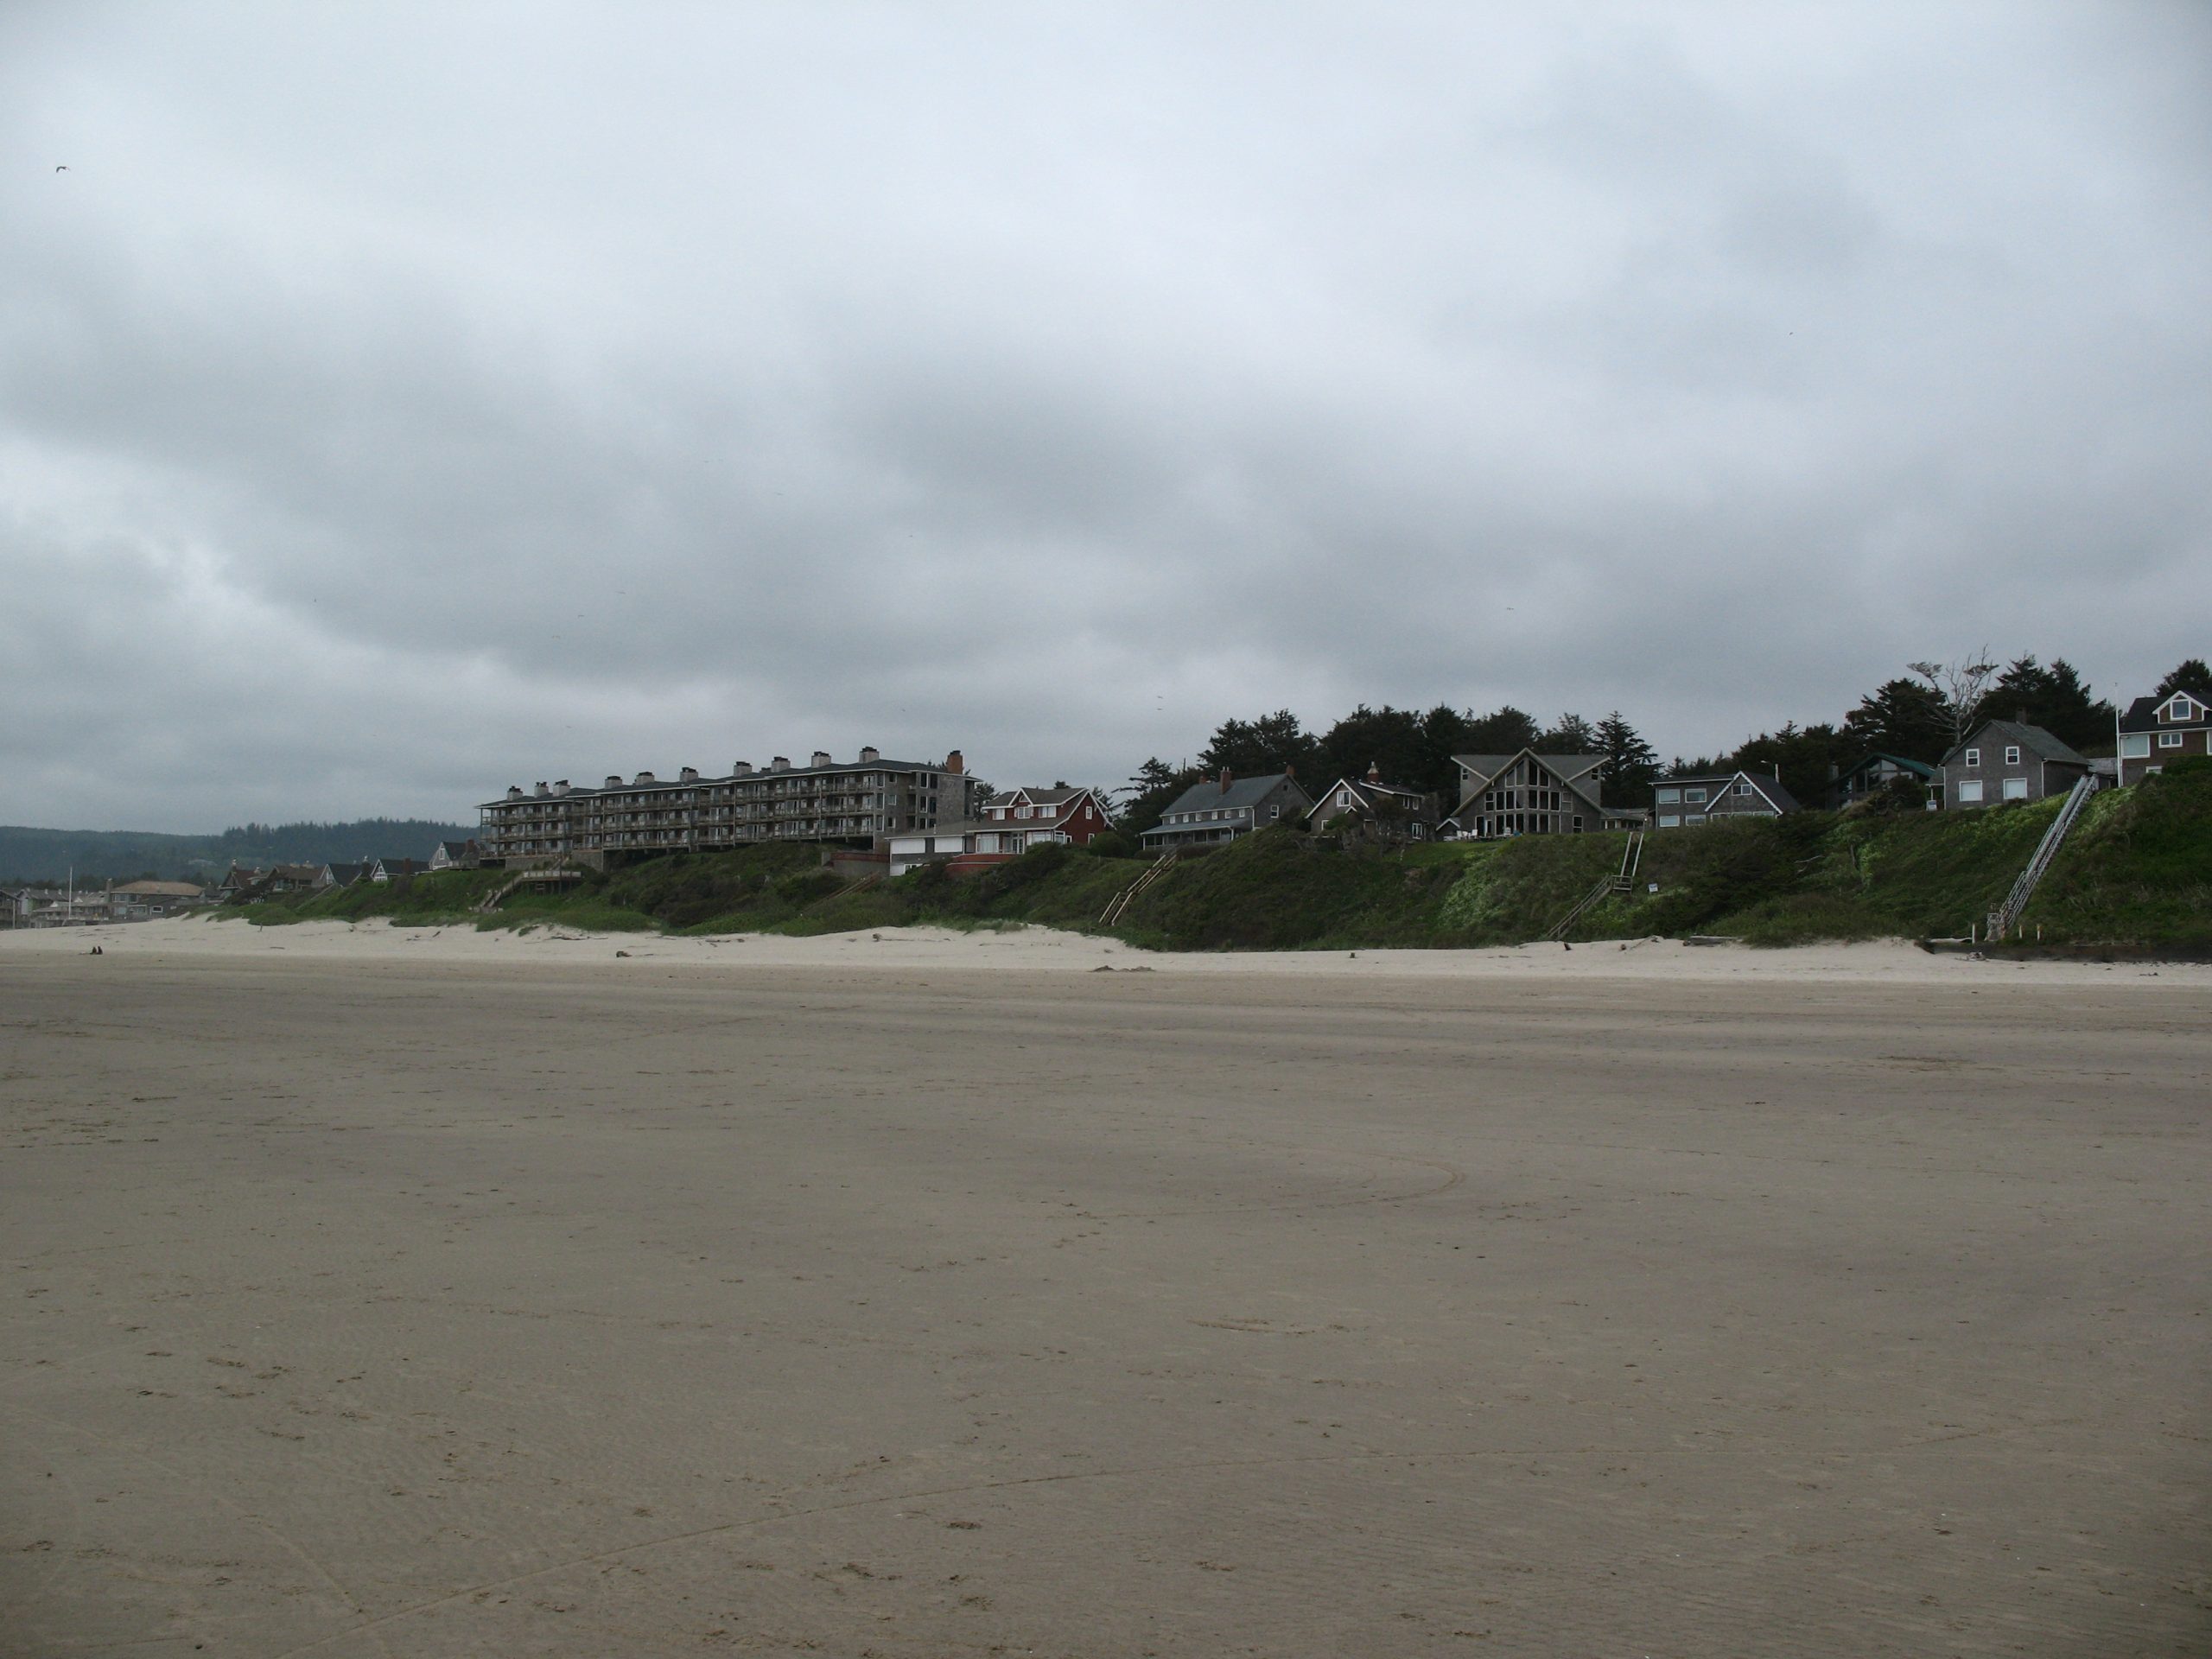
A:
(2004, 760)
(1221, 809)
(1678, 803)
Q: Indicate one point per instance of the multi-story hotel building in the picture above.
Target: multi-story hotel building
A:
(863, 800)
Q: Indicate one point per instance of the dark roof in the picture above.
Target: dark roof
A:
(1567, 765)
(758, 774)
(2033, 739)
(1918, 768)
(1765, 782)
(2142, 714)
(1053, 796)
(1208, 796)
(1368, 790)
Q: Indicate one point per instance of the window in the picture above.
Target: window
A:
(2012, 755)
(1974, 758)
(2135, 746)
(2169, 739)
(1970, 790)
(1694, 818)
(2016, 789)
(1670, 820)
(1694, 796)
(1742, 787)
(2182, 709)
(1668, 797)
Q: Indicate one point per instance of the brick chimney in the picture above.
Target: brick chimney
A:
(1373, 771)
(1225, 780)
(955, 764)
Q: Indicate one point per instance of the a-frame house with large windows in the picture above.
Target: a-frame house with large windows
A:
(1533, 794)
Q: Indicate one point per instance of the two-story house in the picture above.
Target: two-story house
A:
(1387, 812)
(1221, 809)
(1012, 822)
(1533, 794)
(1680, 803)
(2157, 731)
(2007, 760)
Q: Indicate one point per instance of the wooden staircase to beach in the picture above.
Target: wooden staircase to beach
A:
(1121, 900)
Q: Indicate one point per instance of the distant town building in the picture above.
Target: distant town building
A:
(2006, 760)
(140, 901)
(1533, 794)
(1011, 823)
(2155, 732)
(390, 869)
(342, 875)
(863, 800)
(1221, 809)
(1680, 803)
(1376, 809)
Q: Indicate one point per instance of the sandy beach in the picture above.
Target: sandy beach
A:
(385, 1292)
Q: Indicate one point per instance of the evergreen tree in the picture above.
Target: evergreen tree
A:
(1631, 763)
(2054, 698)
(1388, 739)
(2189, 674)
(1149, 794)
(1905, 718)
(1273, 743)
(1569, 735)
(1507, 732)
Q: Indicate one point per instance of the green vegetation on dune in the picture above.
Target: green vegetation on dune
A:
(2138, 870)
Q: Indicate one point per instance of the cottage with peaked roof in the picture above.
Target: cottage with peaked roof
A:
(1533, 794)
(1377, 810)
(1680, 803)
(1874, 773)
(1012, 822)
(343, 875)
(1221, 808)
(2007, 760)
(390, 869)
(2155, 732)
(457, 855)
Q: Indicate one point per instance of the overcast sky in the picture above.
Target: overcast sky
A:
(400, 402)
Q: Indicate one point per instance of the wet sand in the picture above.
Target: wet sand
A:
(380, 1293)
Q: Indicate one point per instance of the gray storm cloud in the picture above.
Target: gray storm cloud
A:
(398, 403)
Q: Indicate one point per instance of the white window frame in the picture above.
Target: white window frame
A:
(2135, 745)
(1671, 796)
(1973, 757)
(1670, 820)
(1693, 797)
(1969, 792)
(2016, 789)
(2169, 739)
(2012, 754)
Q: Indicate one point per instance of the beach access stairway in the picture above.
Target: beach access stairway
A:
(2006, 916)
(1621, 880)
(543, 881)
(1121, 900)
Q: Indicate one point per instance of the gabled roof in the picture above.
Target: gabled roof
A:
(2033, 739)
(1766, 783)
(458, 848)
(1567, 766)
(1918, 768)
(1369, 790)
(1208, 796)
(1577, 773)
(295, 873)
(2142, 714)
(1055, 796)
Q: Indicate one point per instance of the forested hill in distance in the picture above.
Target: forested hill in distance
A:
(28, 854)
